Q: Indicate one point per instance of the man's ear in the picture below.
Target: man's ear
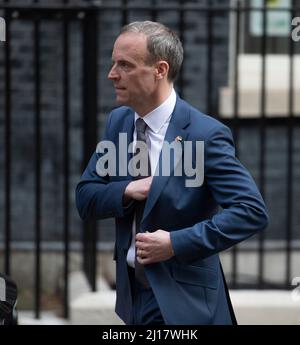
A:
(161, 70)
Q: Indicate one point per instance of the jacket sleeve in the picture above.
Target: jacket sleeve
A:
(97, 197)
(243, 209)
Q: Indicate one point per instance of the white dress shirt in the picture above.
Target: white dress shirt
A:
(157, 121)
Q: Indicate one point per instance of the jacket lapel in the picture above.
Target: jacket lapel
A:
(179, 120)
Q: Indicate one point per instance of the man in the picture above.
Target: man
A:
(168, 233)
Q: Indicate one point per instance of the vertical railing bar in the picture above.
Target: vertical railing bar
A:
(154, 11)
(290, 138)
(236, 119)
(85, 251)
(7, 184)
(236, 103)
(124, 12)
(181, 37)
(209, 72)
(96, 75)
(262, 139)
(66, 164)
(37, 140)
(90, 123)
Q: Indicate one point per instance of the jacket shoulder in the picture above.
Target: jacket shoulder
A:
(117, 117)
(205, 124)
(121, 112)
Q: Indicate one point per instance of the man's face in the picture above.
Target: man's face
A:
(134, 81)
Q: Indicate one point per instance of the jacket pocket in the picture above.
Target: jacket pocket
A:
(194, 275)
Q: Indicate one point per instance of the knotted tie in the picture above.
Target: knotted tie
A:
(141, 126)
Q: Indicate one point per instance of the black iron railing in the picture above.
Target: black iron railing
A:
(87, 14)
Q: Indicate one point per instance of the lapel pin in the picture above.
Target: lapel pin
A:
(178, 138)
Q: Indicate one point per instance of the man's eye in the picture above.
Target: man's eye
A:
(124, 64)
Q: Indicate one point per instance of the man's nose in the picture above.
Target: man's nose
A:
(113, 74)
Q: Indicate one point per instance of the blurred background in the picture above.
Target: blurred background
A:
(241, 65)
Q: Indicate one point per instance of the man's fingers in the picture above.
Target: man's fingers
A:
(141, 245)
(139, 236)
(141, 253)
(142, 237)
(144, 261)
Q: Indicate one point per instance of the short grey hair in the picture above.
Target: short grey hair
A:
(162, 44)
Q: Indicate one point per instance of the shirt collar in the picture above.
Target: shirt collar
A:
(160, 115)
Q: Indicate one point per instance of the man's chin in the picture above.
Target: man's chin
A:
(121, 101)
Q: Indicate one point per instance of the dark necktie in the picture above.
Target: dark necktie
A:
(141, 126)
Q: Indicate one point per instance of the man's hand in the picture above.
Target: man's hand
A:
(138, 190)
(153, 247)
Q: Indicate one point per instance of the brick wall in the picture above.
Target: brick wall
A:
(22, 94)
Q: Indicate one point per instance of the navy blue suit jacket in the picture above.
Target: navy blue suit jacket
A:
(188, 287)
